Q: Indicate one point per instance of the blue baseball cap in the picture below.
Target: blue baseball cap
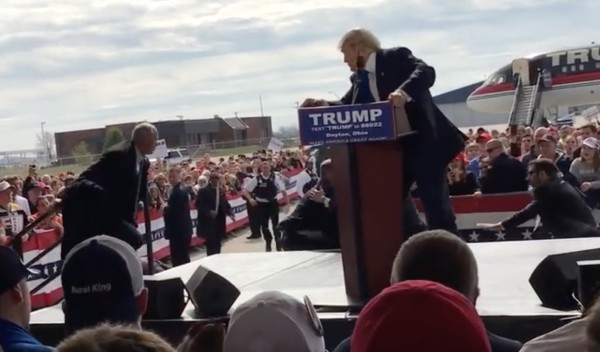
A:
(12, 269)
(101, 279)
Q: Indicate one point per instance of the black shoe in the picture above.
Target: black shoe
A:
(269, 249)
(253, 237)
(278, 245)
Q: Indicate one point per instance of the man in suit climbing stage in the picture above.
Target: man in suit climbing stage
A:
(105, 197)
(395, 74)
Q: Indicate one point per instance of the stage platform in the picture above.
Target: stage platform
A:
(508, 304)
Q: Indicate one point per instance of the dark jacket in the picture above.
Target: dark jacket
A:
(465, 187)
(206, 201)
(561, 208)
(311, 216)
(103, 199)
(116, 172)
(504, 175)
(178, 221)
(563, 163)
(14, 338)
(397, 68)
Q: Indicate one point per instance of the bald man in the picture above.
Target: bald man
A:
(505, 174)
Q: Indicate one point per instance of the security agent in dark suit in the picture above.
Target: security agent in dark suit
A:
(561, 207)
(213, 209)
(313, 223)
(104, 198)
(505, 173)
(395, 74)
(178, 221)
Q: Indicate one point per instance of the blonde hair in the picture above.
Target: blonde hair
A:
(360, 38)
(114, 339)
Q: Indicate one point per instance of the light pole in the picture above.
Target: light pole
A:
(45, 142)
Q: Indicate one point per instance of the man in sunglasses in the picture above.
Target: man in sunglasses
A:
(505, 174)
(561, 208)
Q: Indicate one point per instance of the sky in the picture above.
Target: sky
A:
(79, 64)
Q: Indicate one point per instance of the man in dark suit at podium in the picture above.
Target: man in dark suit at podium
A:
(395, 74)
(104, 198)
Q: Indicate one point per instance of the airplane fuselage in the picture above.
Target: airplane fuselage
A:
(575, 80)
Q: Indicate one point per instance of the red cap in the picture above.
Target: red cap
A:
(419, 316)
(483, 137)
(461, 156)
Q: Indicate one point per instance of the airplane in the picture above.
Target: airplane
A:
(572, 78)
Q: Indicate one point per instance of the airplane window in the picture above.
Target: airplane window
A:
(494, 79)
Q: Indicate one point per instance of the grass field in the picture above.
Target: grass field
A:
(55, 170)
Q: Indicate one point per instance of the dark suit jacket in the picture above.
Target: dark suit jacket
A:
(206, 202)
(506, 174)
(116, 172)
(178, 221)
(561, 208)
(437, 138)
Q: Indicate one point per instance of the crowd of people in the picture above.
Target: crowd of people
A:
(24, 199)
(496, 162)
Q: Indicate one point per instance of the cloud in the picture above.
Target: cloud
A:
(83, 64)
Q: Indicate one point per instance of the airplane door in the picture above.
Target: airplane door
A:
(521, 66)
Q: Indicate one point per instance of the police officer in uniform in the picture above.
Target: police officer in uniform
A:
(261, 192)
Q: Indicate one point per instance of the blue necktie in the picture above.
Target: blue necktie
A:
(363, 93)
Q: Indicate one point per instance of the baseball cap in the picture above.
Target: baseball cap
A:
(13, 270)
(101, 279)
(590, 142)
(419, 316)
(4, 185)
(274, 321)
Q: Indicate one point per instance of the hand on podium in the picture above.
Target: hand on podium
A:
(312, 102)
(398, 98)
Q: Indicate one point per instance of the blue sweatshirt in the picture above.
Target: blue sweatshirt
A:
(14, 338)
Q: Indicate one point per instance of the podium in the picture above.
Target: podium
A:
(367, 166)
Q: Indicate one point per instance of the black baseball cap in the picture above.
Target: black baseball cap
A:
(101, 279)
(12, 269)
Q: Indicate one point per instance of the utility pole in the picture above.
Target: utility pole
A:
(45, 142)
(263, 122)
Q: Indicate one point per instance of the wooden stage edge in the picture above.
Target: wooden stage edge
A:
(508, 304)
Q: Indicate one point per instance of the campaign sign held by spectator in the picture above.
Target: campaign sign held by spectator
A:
(347, 124)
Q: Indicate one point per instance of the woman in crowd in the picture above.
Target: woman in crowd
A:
(461, 182)
(570, 145)
(156, 200)
(54, 222)
(586, 169)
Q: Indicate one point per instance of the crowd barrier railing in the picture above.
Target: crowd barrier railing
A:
(45, 285)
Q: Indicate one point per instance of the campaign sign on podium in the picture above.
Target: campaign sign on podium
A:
(347, 124)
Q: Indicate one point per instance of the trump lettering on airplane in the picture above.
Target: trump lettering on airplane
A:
(345, 117)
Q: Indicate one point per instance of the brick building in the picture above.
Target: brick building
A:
(212, 133)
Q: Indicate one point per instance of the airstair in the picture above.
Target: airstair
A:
(526, 103)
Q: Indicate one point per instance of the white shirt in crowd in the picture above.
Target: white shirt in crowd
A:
(568, 338)
(23, 203)
(253, 183)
